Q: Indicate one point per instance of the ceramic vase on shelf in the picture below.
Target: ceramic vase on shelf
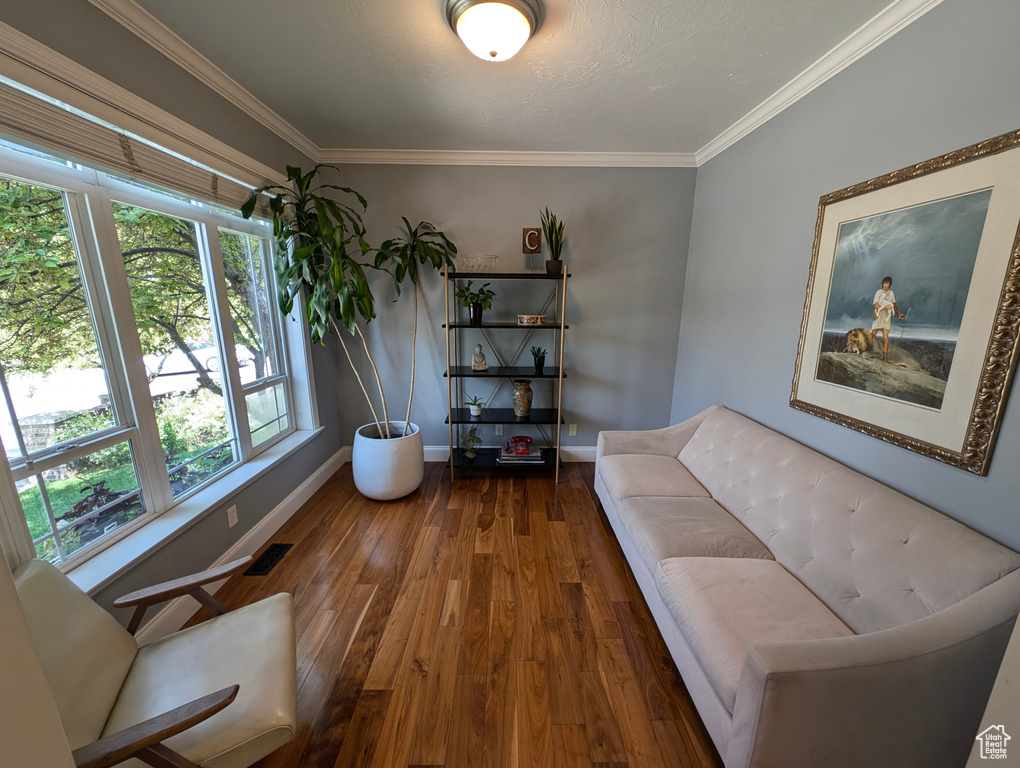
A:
(522, 397)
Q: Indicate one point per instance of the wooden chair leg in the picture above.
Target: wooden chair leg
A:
(210, 602)
(136, 619)
(160, 756)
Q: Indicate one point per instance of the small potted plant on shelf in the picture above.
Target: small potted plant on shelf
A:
(475, 405)
(539, 354)
(476, 300)
(469, 442)
(552, 228)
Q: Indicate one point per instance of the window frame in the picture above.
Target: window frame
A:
(281, 355)
(88, 195)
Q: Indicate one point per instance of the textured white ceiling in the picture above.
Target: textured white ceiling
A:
(599, 76)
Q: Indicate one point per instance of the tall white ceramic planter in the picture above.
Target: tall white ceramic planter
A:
(388, 469)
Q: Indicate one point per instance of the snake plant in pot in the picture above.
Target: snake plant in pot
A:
(321, 259)
(552, 228)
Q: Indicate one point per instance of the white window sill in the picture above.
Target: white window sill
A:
(120, 557)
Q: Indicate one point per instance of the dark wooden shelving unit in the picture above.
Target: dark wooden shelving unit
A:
(487, 459)
(505, 416)
(506, 276)
(503, 324)
(456, 374)
(499, 372)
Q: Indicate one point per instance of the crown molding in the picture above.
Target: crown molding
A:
(28, 62)
(30, 65)
(466, 157)
(877, 30)
(150, 29)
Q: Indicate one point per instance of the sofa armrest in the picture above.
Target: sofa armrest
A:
(668, 441)
(912, 695)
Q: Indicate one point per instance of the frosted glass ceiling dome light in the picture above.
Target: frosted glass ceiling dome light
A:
(491, 30)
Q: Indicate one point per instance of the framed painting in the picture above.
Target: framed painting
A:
(910, 323)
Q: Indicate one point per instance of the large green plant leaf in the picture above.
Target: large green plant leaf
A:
(320, 240)
(422, 245)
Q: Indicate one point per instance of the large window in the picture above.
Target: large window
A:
(255, 322)
(141, 353)
(172, 313)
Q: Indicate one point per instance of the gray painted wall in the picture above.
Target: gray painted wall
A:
(627, 232)
(79, 30)
(946, 81)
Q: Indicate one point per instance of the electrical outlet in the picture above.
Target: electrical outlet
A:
(232, 516)
(499, 429)
(573, 430)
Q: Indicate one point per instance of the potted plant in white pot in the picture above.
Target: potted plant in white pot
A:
(319, 242)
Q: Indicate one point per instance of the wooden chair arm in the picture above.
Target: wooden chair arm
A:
(186, 585)
(182, 586)
(143, 740)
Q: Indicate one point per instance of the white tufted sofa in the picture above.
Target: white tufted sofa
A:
(817, 617)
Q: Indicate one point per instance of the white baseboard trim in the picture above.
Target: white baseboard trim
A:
(176, 613)
(437, 453)
(579, 453)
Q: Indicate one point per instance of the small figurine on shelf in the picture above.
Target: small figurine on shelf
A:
(538, 353)
(478, 360)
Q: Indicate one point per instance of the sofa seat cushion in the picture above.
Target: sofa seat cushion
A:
(632, 474)
(723, 606)
(877, 558)
(662, 527)
(252, 647)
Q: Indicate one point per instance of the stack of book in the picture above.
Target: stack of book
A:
(509, 457)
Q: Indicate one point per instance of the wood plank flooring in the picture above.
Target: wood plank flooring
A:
(496, 624)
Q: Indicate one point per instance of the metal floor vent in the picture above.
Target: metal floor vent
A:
(268, 560)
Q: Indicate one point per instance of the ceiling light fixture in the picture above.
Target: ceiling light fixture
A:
(491, 30)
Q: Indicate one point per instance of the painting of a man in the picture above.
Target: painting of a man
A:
(931, 248)
(881, 318)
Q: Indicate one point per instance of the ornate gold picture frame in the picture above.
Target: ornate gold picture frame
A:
(911, 319)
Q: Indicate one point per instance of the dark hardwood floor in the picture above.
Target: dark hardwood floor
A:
(496, 624)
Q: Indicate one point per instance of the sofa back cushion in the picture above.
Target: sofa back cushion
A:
(876, 558)
(85, 653)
